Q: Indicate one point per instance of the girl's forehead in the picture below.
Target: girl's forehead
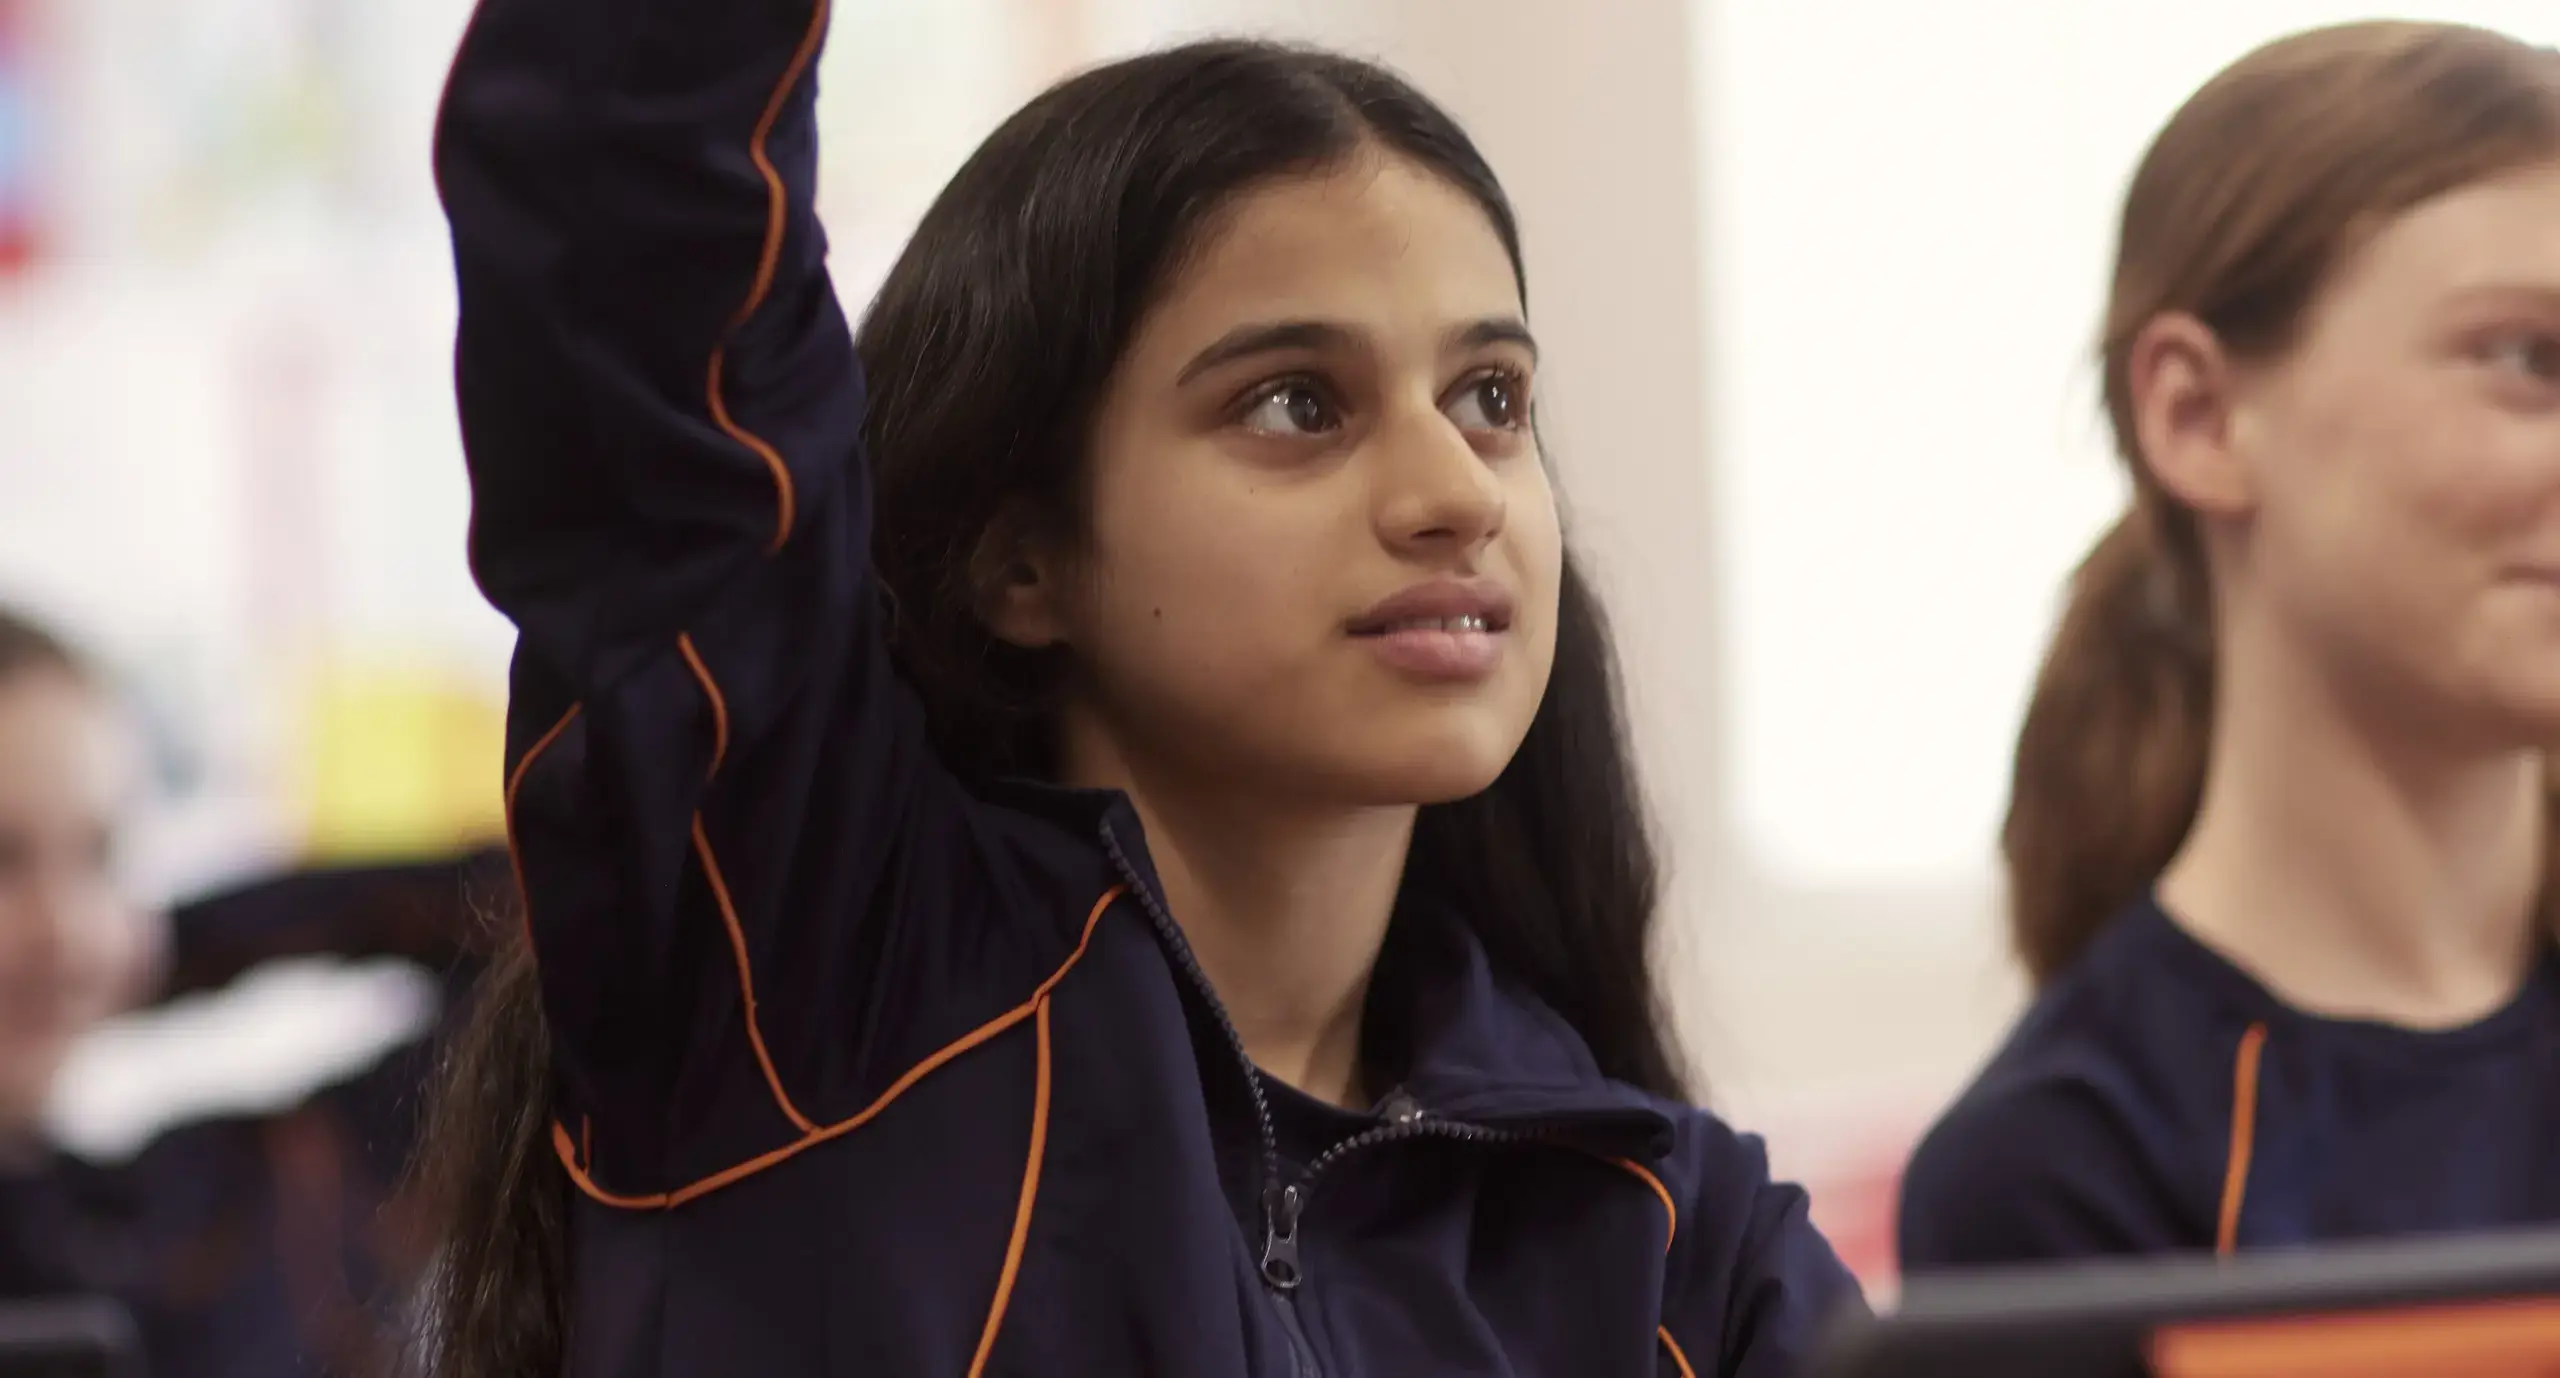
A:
(1380, 243)
(2497, 236)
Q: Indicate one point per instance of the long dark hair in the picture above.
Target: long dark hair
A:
(986, 353)
(2244, 205)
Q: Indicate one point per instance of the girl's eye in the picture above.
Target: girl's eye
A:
(1291, 406)
(2533, 356)
(1495, 401)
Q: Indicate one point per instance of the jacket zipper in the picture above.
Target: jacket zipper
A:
(1280, 1267)
(1171, 933)
(1281, 1270)
(1284, 1202)
(1300, 1347)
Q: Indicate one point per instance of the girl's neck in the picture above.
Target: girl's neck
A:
(2358, 869)
(1285, 906)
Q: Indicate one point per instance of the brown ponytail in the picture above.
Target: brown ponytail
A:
(2110, 764)
(2239, 211)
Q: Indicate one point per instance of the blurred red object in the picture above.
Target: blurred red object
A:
(1856, 1210)
(18, 132)
(1848, 1153)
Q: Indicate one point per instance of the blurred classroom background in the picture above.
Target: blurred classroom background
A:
(1816, 280)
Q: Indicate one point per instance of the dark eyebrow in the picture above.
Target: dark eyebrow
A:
(1274, 337)
(1270, 337)
(1493, 330)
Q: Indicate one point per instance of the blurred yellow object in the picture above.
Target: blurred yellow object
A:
(400, 763)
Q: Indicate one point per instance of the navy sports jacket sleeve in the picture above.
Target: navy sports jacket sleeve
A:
(430, 912)
(1750, 1282)
(2044, 1172)
(724, 812)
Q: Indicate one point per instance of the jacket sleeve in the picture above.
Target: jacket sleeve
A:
(1751, 1285)
(434, 913)
(2043, 1172)
(735, 847)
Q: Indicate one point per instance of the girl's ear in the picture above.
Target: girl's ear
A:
(2191, 416)
(1018, 584)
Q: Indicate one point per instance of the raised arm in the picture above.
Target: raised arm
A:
(658, 391)
(727, 824)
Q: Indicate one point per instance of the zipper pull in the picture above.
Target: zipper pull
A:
(1280, 1236)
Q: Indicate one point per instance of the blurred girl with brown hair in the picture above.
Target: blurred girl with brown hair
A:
(2279, 829)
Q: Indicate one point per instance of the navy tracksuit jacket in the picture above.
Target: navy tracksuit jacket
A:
(863, 1073)
(2158, 1099)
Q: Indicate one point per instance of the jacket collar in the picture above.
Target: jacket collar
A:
(1477, 1046)
(1466, 1042)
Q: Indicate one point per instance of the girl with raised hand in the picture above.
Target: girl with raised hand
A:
(1086, 828)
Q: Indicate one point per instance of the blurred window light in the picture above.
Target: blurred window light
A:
(1910, 219)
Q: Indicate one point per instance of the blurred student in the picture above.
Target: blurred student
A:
(2280, 831)
(1086, 829)
(245, 1245)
